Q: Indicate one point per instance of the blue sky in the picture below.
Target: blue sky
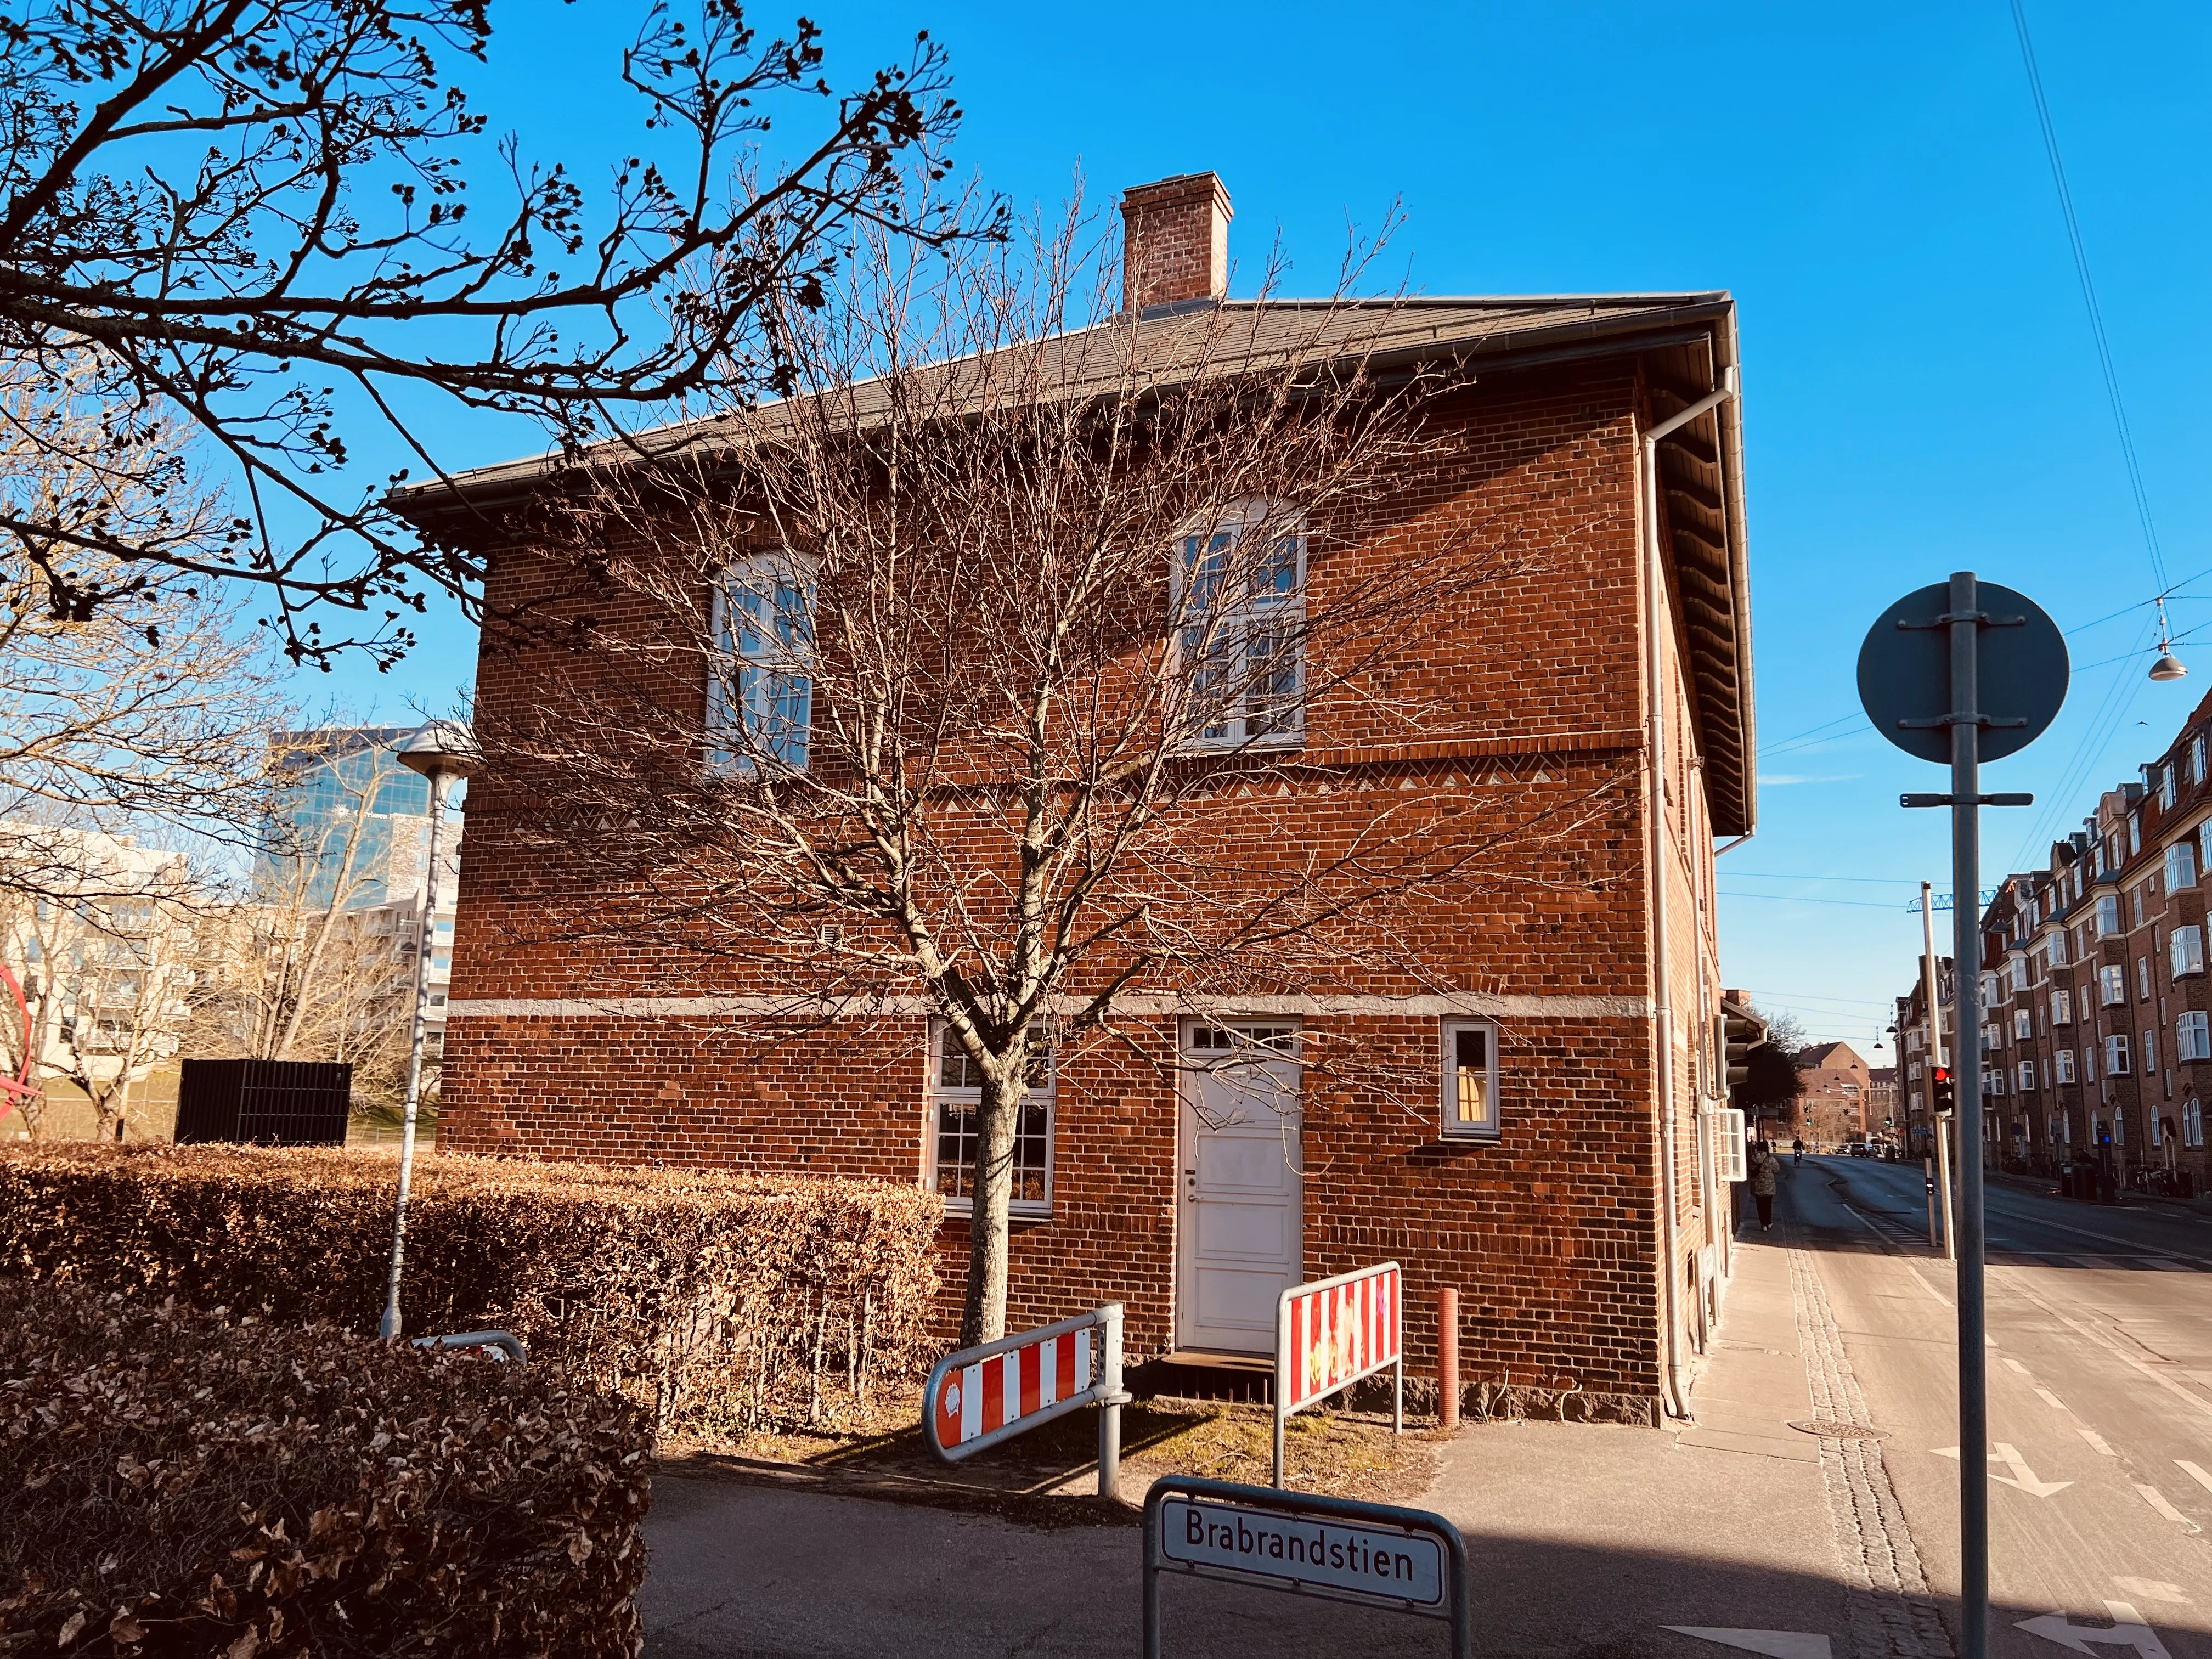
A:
(1921, 388)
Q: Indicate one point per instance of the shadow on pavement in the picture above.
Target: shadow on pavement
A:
(742, 1571)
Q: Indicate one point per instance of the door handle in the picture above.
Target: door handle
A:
(1190, 1185)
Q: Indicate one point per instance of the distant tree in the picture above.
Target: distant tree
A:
(1775, 1086)
(254, 215)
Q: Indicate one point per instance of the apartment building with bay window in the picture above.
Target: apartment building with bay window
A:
(2096, 1019)
(1554, 1155)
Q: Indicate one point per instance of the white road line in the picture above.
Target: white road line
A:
(2012, 1277)
(2114, 1238)
(2156, 1499)
(2096, 1440)
(2195, 1472)
(2051, 1399)
(2016, 1365)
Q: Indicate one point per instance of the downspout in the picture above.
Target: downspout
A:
(1655, 667)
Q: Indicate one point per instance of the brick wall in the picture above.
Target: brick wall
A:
(1551, 1233)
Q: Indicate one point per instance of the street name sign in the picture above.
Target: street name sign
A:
(1376, 1554)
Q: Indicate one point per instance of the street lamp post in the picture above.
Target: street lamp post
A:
(443, 752)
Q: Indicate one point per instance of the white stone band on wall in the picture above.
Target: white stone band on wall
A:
(1436, 1006)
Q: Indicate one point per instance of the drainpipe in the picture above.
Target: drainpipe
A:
(1655, 664)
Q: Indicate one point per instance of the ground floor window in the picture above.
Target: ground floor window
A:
(956, 1115)
(1470, 1079)
(2192, 1124)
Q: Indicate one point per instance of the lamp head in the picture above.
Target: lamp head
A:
(2168, 667)
(441, 748)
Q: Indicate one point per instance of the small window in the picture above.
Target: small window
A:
(2058, 949)
(760, 679)
(2180, 867)
(2019, 1026)
(2115, 1055)
(2192, 1116)
(2089, 1064)
(2065, 1059)
(2143, 978)
(2135, 834)
(2192, 1037)
(957, 1100)
(2019, 973)
(2108, 915)
(2027, 1076)
(1470, 1079)
(2150, 1052)
(2166, 788)
(2061, 1008)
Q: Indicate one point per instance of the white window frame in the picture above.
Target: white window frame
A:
(942, 1096)
(2111, 985)
(2180, 867)
(2018, 965)
(2165, 787)
(1490, 1125)
(2116, 1054)
(765, 692)
(2143, 979)
(2192, 1035)
(2022, 1030)
(2184, 951)
(2027, 1076)
(2149, 1051)
(1237, 626)
(2065, 1059)
(2108, 914)
(2192, 1123)
(2062, 1007)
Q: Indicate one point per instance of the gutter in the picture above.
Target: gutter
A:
(1654, 665)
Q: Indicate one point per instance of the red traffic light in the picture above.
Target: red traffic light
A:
(1942, 1074)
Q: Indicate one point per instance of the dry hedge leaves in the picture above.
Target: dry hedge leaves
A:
(722, 1301)
(175, 1482)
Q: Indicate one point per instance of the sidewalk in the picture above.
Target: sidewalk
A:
(1586, 1541)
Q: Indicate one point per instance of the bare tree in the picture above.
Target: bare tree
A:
(314, 959)
(142, 714)
(253, 212)
(1013, 627)
(112, 970)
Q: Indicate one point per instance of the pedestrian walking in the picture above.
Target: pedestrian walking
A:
(1761, 1167)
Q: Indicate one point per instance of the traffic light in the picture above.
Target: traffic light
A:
(1742, 1030)
(1945, 1095)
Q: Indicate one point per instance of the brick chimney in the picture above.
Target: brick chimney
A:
(1175, 242)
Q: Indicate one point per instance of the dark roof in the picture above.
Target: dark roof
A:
(1686, 340)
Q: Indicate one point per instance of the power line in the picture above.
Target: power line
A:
(2089, 299)
(1786, 898)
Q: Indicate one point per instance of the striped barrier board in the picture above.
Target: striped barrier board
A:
(992, 1392)
(1330, 1334)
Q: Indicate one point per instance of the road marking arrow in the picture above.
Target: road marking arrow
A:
(2195, 1472)
(2128, 1631)
(2022, 1478)
(1775, 1643)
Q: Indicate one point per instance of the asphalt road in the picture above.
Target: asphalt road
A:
(2100, 1399)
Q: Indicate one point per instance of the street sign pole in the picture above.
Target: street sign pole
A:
(1966, 622)
(1928, 665)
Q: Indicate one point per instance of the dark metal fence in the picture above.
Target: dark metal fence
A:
(270, 1103)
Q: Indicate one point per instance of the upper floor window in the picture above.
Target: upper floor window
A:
(2064, 1058)
(2185, 951)
(2058, 949)
(2180, 867)
(2020, 1030)
(2019, 973)
(2061, 1008)
(1240, 627)
(2135, 834)
(2108, 914)
(760, 682)
(2166, 788)
(2116, 1056)
(2196, 759)
(2112, 985)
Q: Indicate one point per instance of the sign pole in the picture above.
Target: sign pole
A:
(1928, 665)
(1967, 1069)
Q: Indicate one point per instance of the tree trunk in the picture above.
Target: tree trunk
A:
(983, 1318)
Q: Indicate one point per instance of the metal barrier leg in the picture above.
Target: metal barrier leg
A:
(1448, 1358)
(1109, 1413)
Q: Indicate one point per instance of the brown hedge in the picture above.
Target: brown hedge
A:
(175, 1482)
(722, 1300)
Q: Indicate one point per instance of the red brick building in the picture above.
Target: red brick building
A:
(1837, 1088)
(1569, 1057)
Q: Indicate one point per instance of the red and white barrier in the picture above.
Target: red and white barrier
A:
(1330, 1334)
(981, 1396)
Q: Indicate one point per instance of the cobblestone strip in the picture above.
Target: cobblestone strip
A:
(1891, 1613)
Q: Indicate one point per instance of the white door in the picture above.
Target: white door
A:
(1239, 1238)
